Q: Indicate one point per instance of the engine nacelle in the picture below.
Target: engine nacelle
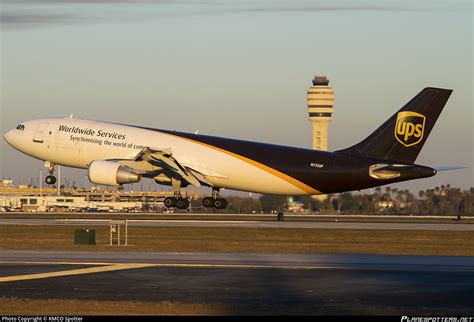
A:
(111, 173)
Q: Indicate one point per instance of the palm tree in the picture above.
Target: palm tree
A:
(378, 190)
(421, 194)
(400, 194)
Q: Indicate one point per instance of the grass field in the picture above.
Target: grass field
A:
(272, 240)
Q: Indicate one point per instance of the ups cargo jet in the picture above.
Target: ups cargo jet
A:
(116, 154)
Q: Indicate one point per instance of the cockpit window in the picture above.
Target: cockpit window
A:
(20, 127)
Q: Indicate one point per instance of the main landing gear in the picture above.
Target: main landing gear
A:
(215, 201)
(51, 179)
(177, 200)
(183, 203)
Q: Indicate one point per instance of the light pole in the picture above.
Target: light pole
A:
(41, 182)
(59, 180)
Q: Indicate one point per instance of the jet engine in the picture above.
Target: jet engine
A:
(111, 173)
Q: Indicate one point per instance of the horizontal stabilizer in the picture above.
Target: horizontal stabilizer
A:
(448, 167)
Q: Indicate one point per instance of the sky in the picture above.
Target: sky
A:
(238, 69)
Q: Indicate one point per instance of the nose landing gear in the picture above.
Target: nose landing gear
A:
(51, 179)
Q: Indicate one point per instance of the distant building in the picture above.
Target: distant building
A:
(26, 198)
(6, 183)
(383, 205)
(295, 206)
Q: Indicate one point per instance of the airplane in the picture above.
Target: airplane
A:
(116, 154)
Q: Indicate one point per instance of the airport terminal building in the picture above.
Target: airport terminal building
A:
(27, 198)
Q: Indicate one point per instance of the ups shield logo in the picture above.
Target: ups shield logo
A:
(409, 128)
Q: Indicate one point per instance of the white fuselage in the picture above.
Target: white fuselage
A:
(76, 143)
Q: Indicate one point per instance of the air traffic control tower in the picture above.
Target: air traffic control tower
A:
(320, 107)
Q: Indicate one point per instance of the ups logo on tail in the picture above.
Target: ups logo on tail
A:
(409, 128)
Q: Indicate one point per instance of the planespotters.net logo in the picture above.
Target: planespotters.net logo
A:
(409, 128)
(437, 319)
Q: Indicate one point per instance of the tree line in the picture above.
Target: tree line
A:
(443, 200)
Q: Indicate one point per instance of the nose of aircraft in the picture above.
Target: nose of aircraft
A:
(8, 137)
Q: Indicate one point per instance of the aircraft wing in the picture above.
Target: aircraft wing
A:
(161, 165)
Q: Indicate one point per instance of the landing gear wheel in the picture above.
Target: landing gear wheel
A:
(187, 203)
(220, 203)
(182, 203)
(50, 180)
(170, 202)
(208, 202)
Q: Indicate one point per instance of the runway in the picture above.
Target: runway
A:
(247, 224)
(280, 283)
